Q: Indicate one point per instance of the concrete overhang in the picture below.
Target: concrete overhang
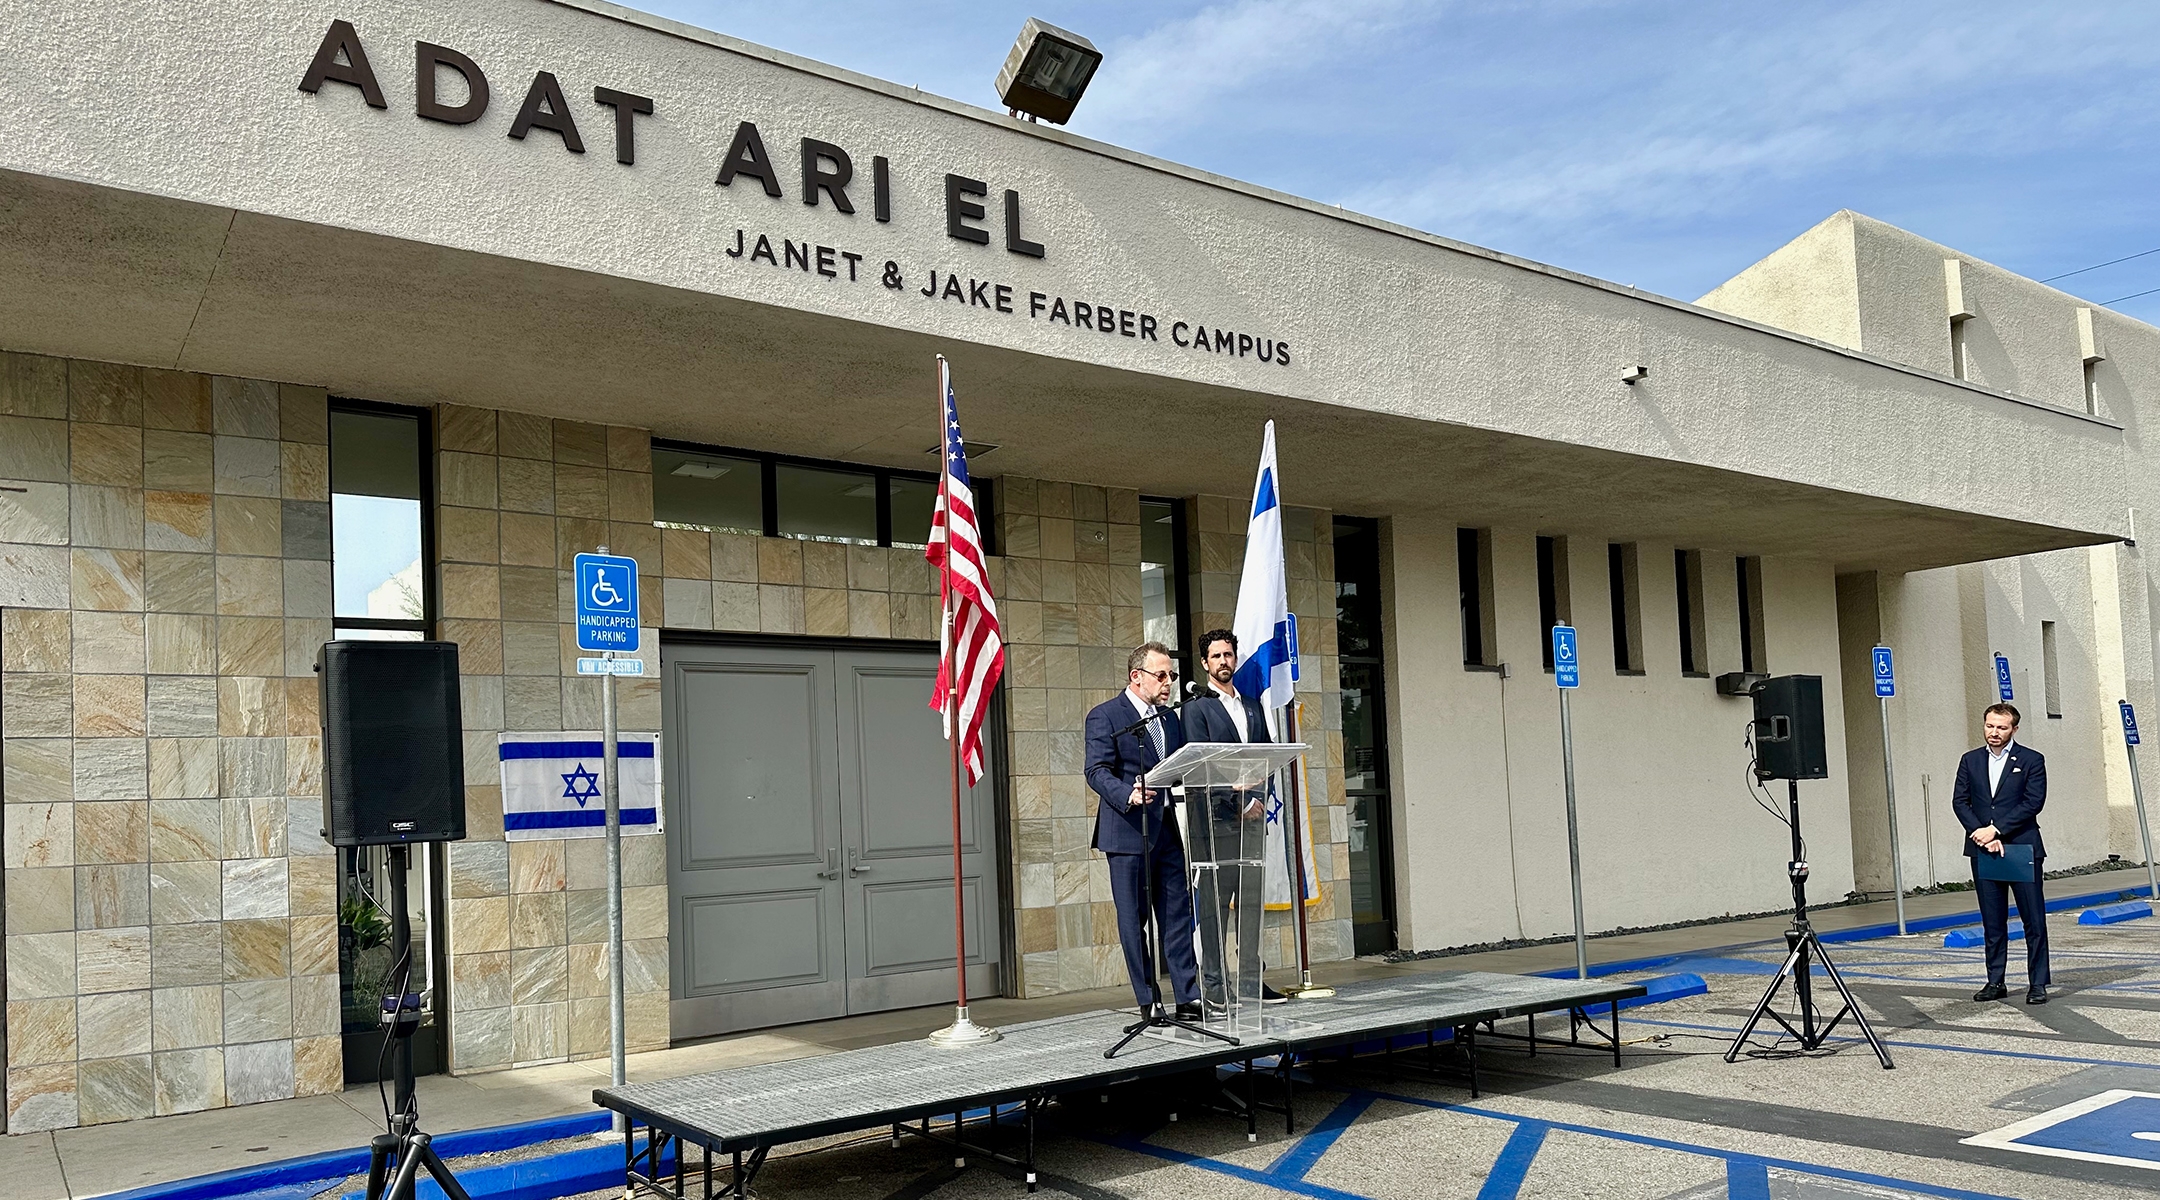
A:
(96, 272)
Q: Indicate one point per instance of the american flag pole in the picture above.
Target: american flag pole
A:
(963, 1031)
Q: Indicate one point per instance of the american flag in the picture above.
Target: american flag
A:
(969, 646)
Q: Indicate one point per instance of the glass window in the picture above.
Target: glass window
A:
(1360, 676)
(376, 519)
(708, 491)
(824, 505)
(913, 501)
(1162, 591)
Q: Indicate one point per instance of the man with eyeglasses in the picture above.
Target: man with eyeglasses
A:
(1126, 736)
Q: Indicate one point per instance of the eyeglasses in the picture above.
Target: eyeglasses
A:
(1159, 676)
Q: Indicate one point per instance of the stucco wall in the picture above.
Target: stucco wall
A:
(1947, 624)
(1668, 831)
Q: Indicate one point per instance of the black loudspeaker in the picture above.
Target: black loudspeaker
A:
(393, 742)
(1789, 729)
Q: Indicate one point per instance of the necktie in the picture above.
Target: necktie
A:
(1156, 735)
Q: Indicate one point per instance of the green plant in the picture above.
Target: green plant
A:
(369, 926)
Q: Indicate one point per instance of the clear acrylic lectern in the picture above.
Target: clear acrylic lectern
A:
(1223, 793)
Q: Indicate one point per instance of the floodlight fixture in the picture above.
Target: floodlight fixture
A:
(1046, 72)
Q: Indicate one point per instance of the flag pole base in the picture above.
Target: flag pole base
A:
(1306, 989)
(963, 1032)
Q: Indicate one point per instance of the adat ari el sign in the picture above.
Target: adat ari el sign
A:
(827, 180)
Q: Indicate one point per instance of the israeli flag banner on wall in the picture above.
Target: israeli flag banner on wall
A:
(551, 784)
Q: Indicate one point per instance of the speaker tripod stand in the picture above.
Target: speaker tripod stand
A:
(1801, 945)
(402, 1015)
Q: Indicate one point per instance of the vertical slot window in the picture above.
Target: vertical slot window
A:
(1623, 581)
(1960, 352)
(1162, 579)
(1688, 590)
(1552, 592)
(1473, 570)
(2092, 388)
(2050, 671)
(1747, 576)
(380, 583)
(1360, 675)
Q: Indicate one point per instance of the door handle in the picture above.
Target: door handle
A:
(832, 864)
(853, 867)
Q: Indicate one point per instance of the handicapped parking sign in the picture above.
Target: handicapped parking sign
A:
(1567, 669)
(1885, 673)
(2002, 678)
(607, 602)
(2129, 719)
(2119, 1126)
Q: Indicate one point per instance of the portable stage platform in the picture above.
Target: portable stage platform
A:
(744, 1112)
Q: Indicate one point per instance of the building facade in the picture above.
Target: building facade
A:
(350, 284)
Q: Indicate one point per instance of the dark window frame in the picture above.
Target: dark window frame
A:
(769, 487)
(1555, 592)
(1623, 576)
(1474, 581)
(1183, 653)
(1382, 811)
(430, 570)
(1694, 625)
(1754, 650)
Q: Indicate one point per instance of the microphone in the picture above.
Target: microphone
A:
(1192, 689)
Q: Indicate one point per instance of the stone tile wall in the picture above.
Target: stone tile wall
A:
(170, 906)
(164, 581)
(1215, 551)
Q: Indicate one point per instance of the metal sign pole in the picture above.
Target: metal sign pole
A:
(2137, 792)
(1574, 844)
(1567, 675)
(612, 801)
(607, 624)
(1897, 865)
(1885, 688)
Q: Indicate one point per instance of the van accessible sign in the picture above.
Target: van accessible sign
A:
(827, 179)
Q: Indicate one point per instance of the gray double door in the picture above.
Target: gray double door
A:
(809, 826)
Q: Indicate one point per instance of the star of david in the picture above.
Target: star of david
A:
(581, 785)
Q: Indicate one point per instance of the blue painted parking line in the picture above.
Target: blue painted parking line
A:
(1751, 1161)
(2120, 1127)
(1747, 1179)
(1504, 1181)
(1305, 1152)
(1732, 1031)
(1296, 1187)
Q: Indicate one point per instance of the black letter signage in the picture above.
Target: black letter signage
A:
(958, 212)
(816, 179)
(354, 70)
(626, 108)
(555, 116)
(428, 56)
(747, 157)
(1013, 241)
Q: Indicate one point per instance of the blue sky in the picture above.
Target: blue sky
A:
(1661, 145)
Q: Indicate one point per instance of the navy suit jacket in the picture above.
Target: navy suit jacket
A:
(1114, 761)
(1207, 719)
(2014, 808)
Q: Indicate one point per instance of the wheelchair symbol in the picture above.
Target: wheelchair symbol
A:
(604, 594)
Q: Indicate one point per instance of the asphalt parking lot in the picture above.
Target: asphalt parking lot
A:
(1673, 1121)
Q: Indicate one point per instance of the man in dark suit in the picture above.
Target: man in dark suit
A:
(1126, 736)
(1998, 795)
(1223, 715)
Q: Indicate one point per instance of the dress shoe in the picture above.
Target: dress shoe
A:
(2037, 995)
(1190, 1011)
(1993, 991)
(1269, 995)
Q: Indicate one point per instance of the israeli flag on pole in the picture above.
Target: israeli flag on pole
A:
(1266, 632)
(551, 784)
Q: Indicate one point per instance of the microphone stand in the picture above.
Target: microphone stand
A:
(1156, 1016)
